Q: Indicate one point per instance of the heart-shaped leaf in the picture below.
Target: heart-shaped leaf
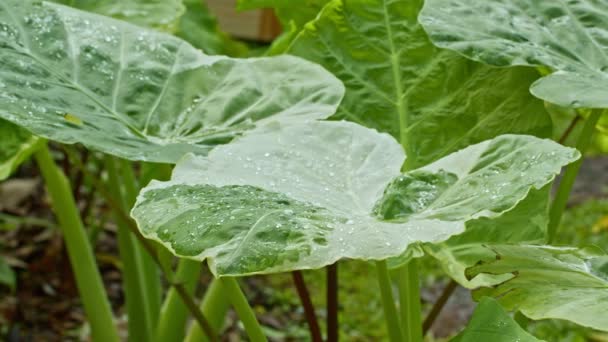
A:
(73, 76)
(434, 101)
(566, 36)
(490, 322)
(16, 145)
(303, 196)
(160, 14)
(546, 282)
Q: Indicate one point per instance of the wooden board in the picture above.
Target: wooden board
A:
(259, 25)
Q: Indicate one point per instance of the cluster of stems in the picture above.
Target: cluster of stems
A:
(152, 318)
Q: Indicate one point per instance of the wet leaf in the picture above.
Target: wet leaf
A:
(140, 94)
(570, 37)
(302, 196)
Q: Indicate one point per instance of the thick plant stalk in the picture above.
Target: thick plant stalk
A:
(140, 322)
(388, 302)
(88, 279)
(150, 273)
(150, 248)
(407, 280)
(214, 306)
(242, 308)
(567, 182)
(309, 310)
(174, 314)
(409, 299)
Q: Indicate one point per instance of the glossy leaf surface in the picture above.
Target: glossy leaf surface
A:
(16, 145)
(72, 76)
(547, 282)
(490, 322)
(434, 101)
(570, 37)
(304, 196)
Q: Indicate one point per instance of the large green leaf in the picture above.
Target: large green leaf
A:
(73, 76)
(490, 322)
(160, 14)
(16, 145)
(303, 196)
(570, 37)
(547, 282)
(434, 101)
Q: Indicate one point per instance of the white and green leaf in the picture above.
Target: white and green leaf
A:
(546, 282)
(303, 196)
(432, 100)
(73, 76)
(16, 145)
(570, 37)
(490, 322)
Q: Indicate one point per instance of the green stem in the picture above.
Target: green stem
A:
(140, 324)
(88, 279)
(388, 302)
(214, 306)
(174, 313)
(409, 300)
(150, 277)
(408, 282)
(150, 248)
(242, 308)
(567, 182)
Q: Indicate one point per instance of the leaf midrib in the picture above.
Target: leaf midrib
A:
(396, 70)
